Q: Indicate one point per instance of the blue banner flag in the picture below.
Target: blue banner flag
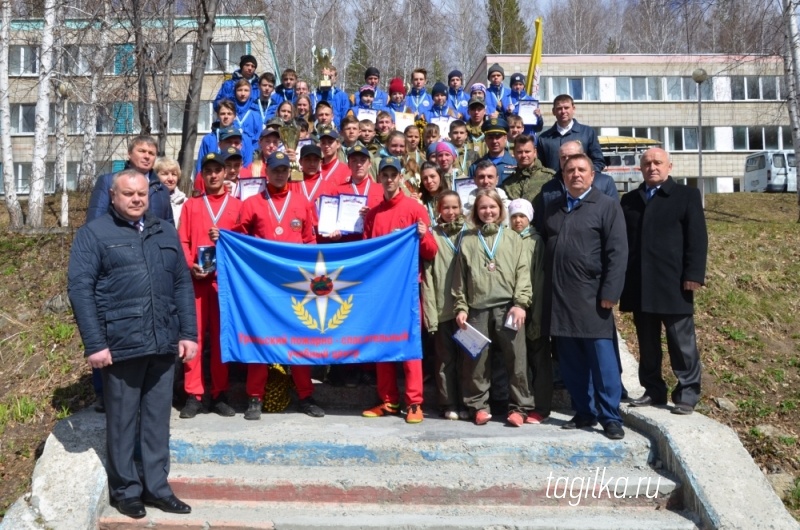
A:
(319, 304)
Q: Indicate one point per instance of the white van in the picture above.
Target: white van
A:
(770, 171)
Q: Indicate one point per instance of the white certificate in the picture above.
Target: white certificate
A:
(328, 212)
(403, 120)
(472, 340)
(464, 187)
(367, 114)
(246, 188)
(444, 124)
(525, 110)
(350, 220)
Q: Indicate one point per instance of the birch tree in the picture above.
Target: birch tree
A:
(40, 140)
(12, 203)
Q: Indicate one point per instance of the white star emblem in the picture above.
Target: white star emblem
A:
(320, 274)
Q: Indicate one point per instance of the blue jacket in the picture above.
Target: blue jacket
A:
(550, 141)
(381, 97)
(354, 109)
(285, 94)
(399, 107)
(338, 99)
(131, 291)
(457, 101)
(499, 93)
(267, 110)
(506, 165)
(511, 104)
(100, 201)
(210, 144)
(227, 91)
(553, 190)
(419, 101)
(248, 119)
(436, 111)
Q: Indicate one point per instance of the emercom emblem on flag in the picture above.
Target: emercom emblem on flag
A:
(321, 287)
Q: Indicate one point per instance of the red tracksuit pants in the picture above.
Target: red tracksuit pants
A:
(257, 380)
(206, 303)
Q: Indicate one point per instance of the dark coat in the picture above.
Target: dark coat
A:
(586, 253)
(550, 141)
(158, 196)
(131, 291)
(554, 189)
(668, 246)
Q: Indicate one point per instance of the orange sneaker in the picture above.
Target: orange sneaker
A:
(482, 417)
(384, 409)
(535, 418)
(516, 419)
(414, 414)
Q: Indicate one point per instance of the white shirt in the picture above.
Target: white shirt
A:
(564, 130)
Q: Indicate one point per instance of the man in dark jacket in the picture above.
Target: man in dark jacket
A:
(567, 129)
(586, 254)
(666, 265)
(142, 153)
(554, 189)
(132, 296)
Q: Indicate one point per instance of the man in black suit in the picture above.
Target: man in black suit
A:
(668, 247)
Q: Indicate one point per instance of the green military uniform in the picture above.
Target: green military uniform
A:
(538, 347)
(486, 289)
(439, 314)
(475, 140)
(526, 183)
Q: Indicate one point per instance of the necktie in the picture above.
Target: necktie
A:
(651, 193)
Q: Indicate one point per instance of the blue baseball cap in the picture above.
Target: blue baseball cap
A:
(212, 157)
(278, 159)
(230, 132)
(390, 161)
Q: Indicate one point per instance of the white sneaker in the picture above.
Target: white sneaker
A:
(450, 414)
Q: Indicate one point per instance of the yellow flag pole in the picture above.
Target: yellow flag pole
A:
(535, 65)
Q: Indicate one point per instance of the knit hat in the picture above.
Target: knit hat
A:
(439, 88)
(445, 147)
(517, 78)
(431, 149)
(397, 85)
(496, 68)
(366, 88)
(372, 71)
(455, 73)
(244, 59)
(522, 206)
(478, 87)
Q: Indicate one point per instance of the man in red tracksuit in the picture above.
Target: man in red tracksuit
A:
(278, 214)
(333, 170)
(313, 185)
(397, 211)
(201, 219)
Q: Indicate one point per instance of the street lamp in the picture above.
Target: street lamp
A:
(64, 90)
(700, 76)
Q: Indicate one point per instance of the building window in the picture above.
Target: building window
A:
(639, 89)
(124, 59)
(182, 59)
(224, 56)
(23, 118)
(23, 60)
(685, 89)
(76, 60)
(758, 138)
(653, 133)
(205, 117)
(744, 87)
(685, 138)
(22, 177)
(580, 88)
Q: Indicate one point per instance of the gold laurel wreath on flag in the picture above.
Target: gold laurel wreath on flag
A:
(304, 316)
(341, 315)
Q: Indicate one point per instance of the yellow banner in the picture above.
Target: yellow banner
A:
(535, 66)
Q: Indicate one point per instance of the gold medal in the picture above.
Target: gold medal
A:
(278, 230)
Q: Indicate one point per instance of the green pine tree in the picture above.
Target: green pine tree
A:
(507, 31)
(359, 60)
(438, 70)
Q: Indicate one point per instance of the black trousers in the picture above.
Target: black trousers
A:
(683, 355)
(138, 389)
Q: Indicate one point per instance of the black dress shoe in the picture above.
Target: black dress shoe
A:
(132, 507)
(613, 431)
(579, 423)
(646, 401)
(171, 504)
(682, 409)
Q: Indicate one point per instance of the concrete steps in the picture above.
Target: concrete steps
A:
(306, 516)
(345, 471)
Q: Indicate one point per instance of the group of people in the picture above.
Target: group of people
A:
(522, 237)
